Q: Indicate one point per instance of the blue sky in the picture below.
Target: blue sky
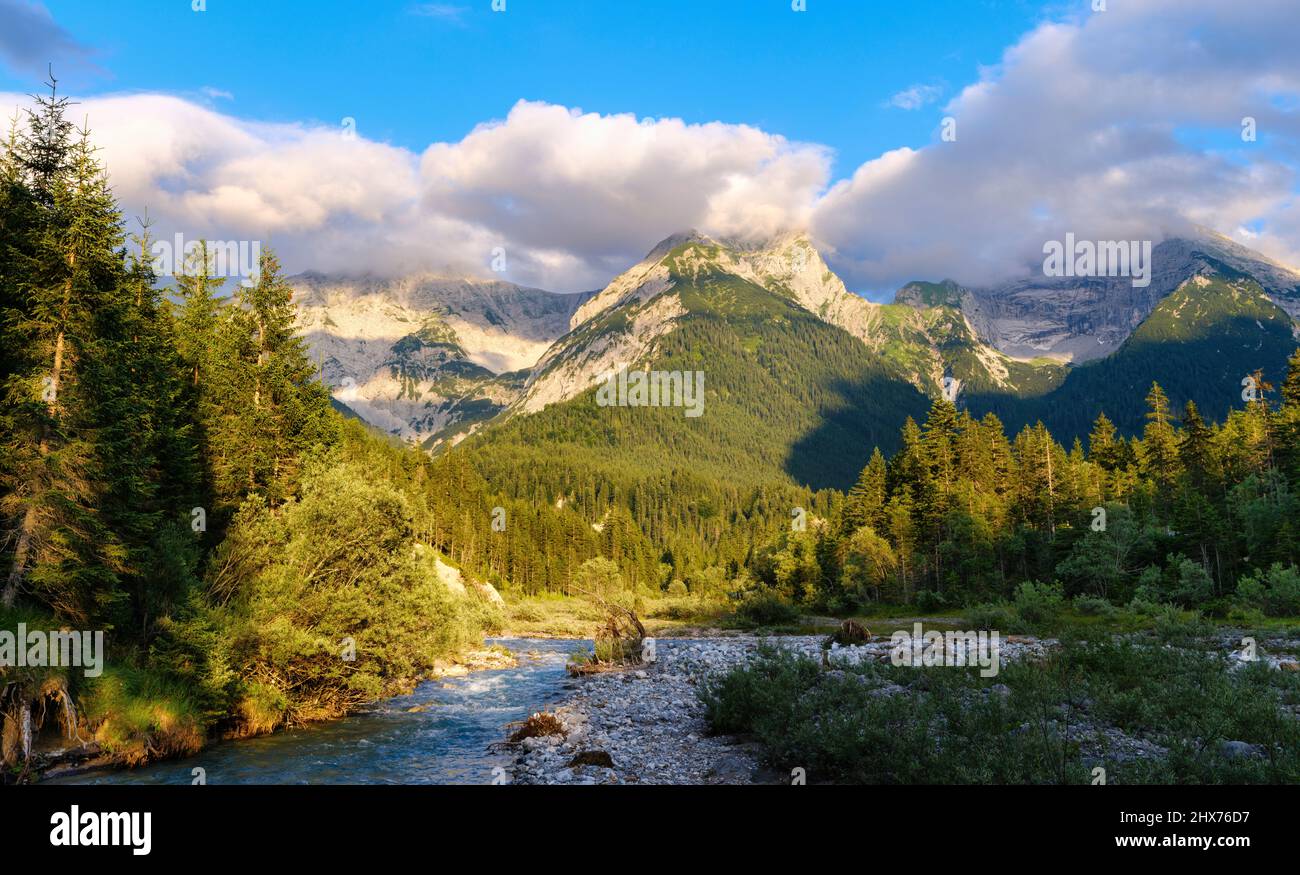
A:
(413, 73)
(576, 134)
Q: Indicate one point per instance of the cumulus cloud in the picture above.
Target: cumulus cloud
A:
(572, 198)
(597, 187)
(1096, 126)
(1083, 127)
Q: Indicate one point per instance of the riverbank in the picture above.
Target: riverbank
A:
(650, 721)
(1067, 711)
(66, 755)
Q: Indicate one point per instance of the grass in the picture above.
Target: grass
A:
(558, 616)
(549, 616)
(140, 715)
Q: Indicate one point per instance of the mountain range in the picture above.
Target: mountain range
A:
(803, 376)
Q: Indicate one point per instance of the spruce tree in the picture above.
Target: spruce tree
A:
(70, 274)
(269, 407)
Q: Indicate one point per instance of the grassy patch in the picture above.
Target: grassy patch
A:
(1046, 722)
(139, 715)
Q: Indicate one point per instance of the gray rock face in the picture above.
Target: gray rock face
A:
(1083, 318)
(427, 358)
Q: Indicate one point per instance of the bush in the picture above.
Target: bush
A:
(1182, 581)
(1144, 607)
(1194, 584)
(766, 608)
(1092, 606)
(1244, 616)
(1276, 592)
(677, 589)
(677, 609)
(991, 617)
(840, 728)
(945, 726)
(929, 600)
(526, 613)
(1039, 604)
(325, 603)
(1173, 627)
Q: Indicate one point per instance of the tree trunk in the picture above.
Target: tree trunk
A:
(27, 531)
(19, 570)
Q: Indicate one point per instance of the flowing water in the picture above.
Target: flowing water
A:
(446, 743)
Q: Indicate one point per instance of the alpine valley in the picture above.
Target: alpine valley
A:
(811, 494)
(804, 377)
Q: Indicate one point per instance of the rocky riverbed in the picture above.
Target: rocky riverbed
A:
(650, 721)
(646, 725)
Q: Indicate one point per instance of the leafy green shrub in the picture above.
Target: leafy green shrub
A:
(327, 604)
(1174, 627)
(1039, 604)
(876, 723)
(1092, 606)
(989, 616)
(687, 608)
(1142, 606)
(766, 608)
(1194, 584)
(1276, 592)
(1245, 616)
(929, 600)
(854, 725)
(1182, 581)
(526, 613)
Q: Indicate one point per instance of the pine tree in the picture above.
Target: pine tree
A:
(197, 313)
(269, 407)
(865, 505)
(145, 453)
(1159, 443)
(1195, 449)
(70, 276)
(1289, 421)
(1102, 445)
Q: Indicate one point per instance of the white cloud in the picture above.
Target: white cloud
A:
(550, 179)
(572, 197)
(915, 97)
(440, 11)
(1084, 126)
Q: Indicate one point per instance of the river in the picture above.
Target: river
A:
(445, 743)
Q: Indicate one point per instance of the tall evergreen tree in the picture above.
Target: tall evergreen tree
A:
(72, 274)
(269, 407)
